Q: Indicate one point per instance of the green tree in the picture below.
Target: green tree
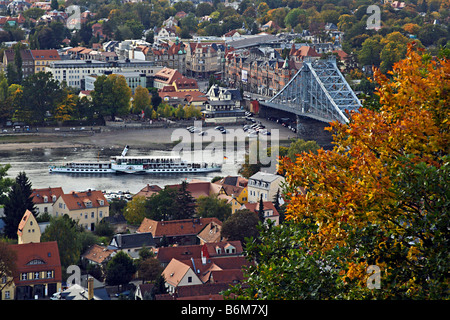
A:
(120, 270)
(185, 203)
(370, 51)
(213, 206)
(111, 96)
(161, 205)
(64, 231)
(5, 183)
(19, 201)
(40, 95)
(241, 225)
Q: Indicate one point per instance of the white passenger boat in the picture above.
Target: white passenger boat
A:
(137, 165)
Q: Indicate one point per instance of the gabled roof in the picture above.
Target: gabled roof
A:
(28, 214)
(33, 257)
(199, 188)
(172, 228)
(40, 194)
(175, 271)
(267, 205)
(81, 200)
(51, 54)
(211, 233)
(148, 190)
(264, 176)
(134, 240)
(97, 253)
(165, 254)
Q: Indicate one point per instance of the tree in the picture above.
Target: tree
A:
(241, 225)
(120, 270)
(5, 183)
(141, 100)
(19, 201)
(66, 106)
(111, 95)
(370, 51)
(150, 269)
(380, 197)
(212, 206)
(40, 95)
(185, 203)
(161, 205)
(8, 267)
(261, 210)
(135, 210)
(54, 4)
(63, 230)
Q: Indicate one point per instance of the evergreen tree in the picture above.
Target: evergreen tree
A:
(185, 203)
(261, 210)
(18, 202)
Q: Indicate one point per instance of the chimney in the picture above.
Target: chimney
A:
(90, 288)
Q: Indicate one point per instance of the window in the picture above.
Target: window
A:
(36, 275)
(92, 214)
(189, 279)
(50, 274)
(23, 276)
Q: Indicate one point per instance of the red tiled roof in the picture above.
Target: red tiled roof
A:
(37, 257)
(23, 221)
(40, 194)
(267, 206)
(45, 54)
(175, 227)
(97, 253)
(78, 200)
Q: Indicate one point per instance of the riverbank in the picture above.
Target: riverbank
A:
(143, 139)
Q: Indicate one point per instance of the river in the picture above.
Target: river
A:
(35, 164)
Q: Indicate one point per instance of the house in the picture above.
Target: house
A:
(118, 222)
(144, 291)
(97, 255)
(181, 232)
(28, 230)
(148, 190)
(199, 188)
(132, 243)
(89, 289)
(206, 270)
(201, 60)
(87, 208)
(171, 55)
(210, 233)
(42, 59)
(38, 272)
(165, 77)
(270, 212)
(44, 198)
(263, 184)
(27, 61)
(223, 105)
(215, 250)
(236, 187)
(271, 25)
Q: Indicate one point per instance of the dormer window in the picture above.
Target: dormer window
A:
(45, 199)
(54, 198)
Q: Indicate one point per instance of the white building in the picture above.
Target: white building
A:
(264, 184)
(74, 72)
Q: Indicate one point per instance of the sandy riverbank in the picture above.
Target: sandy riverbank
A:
(151, 139)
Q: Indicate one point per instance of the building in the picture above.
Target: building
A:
(133, 79)
(223, 105)
(270, 212)
(171, 55)
(27, 61)
(202, 60)
(97, 255)
(131, 244)
(38, 274)
(263, 184)
(44, 198)
(74, 72)
(87, 208)
(42, 59)
(180, 232)
(203, 271)
(28, 230)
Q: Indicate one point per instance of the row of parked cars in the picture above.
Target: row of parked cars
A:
(200, 132)
(285, 122)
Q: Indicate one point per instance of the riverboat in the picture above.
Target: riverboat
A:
(137, 165)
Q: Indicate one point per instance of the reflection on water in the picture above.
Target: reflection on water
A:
(35, 163)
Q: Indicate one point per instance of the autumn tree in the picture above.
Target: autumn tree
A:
(379, 198)
(134, 212)
(141, 101)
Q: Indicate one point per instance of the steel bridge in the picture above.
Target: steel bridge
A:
(318, 90)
